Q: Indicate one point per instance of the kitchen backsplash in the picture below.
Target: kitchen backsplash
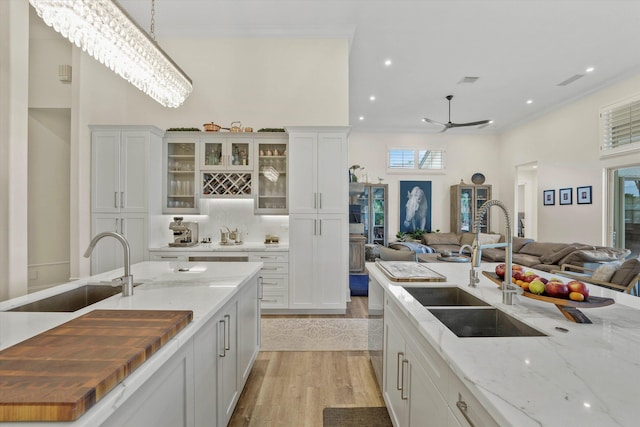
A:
(218, 213)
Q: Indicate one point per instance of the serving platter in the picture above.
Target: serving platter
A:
(567, 307)
(409, 271)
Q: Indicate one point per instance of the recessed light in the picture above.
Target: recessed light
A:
(387, 62)
(372, 98)
(361, 118)
(529, 101)
(588, 70)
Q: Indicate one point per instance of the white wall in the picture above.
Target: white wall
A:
(565, 145)
(465, 155)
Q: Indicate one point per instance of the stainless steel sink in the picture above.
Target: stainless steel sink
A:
(444, 296)
(72, 300)
(483, 322)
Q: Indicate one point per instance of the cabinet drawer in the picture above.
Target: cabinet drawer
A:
(275, 268)
(269, 257)
(275, 283)
(182, 257)
(275, 299)
(466, 408)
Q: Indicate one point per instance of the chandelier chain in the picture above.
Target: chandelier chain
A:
(152, 32)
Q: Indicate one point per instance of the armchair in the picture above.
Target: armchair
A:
(622, 278)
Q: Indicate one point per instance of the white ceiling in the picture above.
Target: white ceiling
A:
(519, 49)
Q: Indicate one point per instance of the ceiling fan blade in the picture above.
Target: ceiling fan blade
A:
(478, 123)
(433, 122)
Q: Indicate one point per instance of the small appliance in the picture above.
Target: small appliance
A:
(185, 233)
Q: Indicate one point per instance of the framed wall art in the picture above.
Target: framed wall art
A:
(549, 197)
(584, 195)
(415, 206)
(565, 196)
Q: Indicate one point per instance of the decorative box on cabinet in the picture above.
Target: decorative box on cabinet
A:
(465, 202)
(125, 170)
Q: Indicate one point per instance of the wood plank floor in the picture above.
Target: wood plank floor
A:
(290, 388)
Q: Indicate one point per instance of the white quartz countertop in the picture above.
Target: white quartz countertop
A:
(588, 376)
(217, 247)
(204, 289)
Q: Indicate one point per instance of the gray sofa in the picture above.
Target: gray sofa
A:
(544, 256)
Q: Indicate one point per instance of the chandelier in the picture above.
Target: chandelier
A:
(105, 31)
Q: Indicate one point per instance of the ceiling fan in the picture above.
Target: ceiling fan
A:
(450, 125)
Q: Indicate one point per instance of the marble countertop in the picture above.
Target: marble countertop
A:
(204, 289)
(217, 247)
(587, 376)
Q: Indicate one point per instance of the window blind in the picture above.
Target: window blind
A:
(621, 126)
(412, 160)
(401, 159)
(431, 159)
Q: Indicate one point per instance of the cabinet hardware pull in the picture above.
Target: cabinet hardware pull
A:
(402, 396)
(224, 353)
(260, 287)
(270, 283)
(115, 199)
(319, 200)
(270, 300)
(462, 406)
(270, 268)
(268, 257)
(398, 364)
(121, 225)
(227, 332)
(168, 257)
(320, 233)
(122, 199)
(315, 200)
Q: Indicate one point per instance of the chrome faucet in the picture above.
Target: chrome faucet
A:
(508, 289)
(125, 281)
(473, 275)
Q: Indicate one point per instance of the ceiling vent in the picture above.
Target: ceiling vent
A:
(468, 80)
(571, 80)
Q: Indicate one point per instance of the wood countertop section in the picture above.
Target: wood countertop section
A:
(59, 374)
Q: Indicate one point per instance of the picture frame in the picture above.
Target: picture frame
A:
(565, 196)
(415, 206)
(583, 195)
(549, 197)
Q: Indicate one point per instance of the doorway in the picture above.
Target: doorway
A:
(625, 209)
(526, 202)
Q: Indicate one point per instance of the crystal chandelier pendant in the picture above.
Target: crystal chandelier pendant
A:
(105, 31)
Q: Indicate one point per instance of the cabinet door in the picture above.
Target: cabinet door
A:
(302, 235)
(105, 172)
(134, 228)
(332, 173)
(394, 372)
(134, 170)
(331, 271)
(228, 386)
(271, 177)
(205, 373)
(303, 184)
(180, 186)
(248, 329)
(427, 407)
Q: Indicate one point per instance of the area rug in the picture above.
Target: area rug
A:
(356, 417)
(299, 334)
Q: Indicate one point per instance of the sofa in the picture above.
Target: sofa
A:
(544, 256)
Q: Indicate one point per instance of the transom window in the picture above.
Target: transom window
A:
(620, 127)
(413, 160)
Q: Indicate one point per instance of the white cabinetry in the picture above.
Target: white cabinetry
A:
(271, 176)
(125, 174)
(318, 223)
(226, 153)
(418, 386)
(275, 279)
(180, 188)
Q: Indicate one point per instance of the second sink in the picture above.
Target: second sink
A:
(443, 296)
(72, 300)
(483, 322)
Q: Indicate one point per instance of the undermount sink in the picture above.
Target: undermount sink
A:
(483, 322)
(72, 300)
(443, 296)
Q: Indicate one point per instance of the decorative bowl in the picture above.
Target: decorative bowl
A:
(477, 178)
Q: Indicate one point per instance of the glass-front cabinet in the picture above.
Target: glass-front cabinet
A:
(368, 211)
(180, 188)
(272, 188)
(224, 154)
(466, 200)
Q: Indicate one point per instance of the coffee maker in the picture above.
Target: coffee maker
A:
(185, 233)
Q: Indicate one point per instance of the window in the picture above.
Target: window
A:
(620, 126)
(411, 160)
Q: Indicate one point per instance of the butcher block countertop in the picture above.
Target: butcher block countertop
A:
(96, 366)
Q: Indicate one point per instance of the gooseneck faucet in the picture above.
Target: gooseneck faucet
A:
(508, 289)
(125, 281)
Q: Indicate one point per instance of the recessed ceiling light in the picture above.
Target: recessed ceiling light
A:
(529, 101)
(361, 118)
(387, 62)
(372, 98)
(590, 69)
(535, 166)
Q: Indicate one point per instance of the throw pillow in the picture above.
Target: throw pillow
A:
(488, 239)
(441, 239)
(387, 254)
(519, 242)
(627, 271)
(604, 273)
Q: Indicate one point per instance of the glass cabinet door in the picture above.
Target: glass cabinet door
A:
(272, 189)
(483, 194)
(466, 209)
(378, 215)
(181, 192)
(226, 154)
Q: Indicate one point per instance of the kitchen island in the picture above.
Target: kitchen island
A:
(196, 377)
(575, 375)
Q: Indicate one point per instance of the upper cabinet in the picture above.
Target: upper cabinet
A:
(180, 186)
(271, 176)
(318, 161)
(226, 153)
(466, 200)
(120, 169)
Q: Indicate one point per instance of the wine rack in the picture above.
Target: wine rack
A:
(226, 184)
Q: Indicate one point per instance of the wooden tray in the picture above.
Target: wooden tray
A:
(59, 374)
(567, 307)
(409, 271)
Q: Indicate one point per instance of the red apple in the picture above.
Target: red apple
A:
(500, 270)
(544, 280)
(578, 286)
(516, 267)
(556, 289)
(517, 274)
(530, 277)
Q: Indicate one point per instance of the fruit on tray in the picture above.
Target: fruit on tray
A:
(556, 289)
(531, 282)
(536, 287)
(579, 287)
(576, 296)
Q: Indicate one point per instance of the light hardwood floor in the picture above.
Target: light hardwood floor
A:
(292, 388)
